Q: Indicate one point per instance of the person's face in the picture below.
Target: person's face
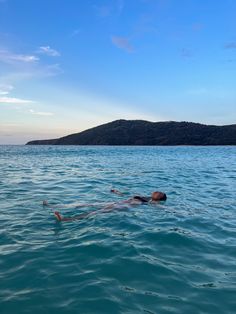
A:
(156, 196)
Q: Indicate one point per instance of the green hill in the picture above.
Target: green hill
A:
(139, 132)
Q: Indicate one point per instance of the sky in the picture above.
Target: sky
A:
(68, 65)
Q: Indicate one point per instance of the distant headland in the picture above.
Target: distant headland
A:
(140, 132)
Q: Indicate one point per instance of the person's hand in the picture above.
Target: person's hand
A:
(116, 192)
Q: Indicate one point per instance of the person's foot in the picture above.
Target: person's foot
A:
(58, 216)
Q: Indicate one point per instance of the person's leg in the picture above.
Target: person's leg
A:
(58, 216)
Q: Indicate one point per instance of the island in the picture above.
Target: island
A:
(140, 132)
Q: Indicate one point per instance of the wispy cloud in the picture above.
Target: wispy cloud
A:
(41, 113)
(9, 57)
(13, 100)
(230, 45)
(36, 72)
(47, 50)
(122, 43)
(19, 67)
(5, 98)
(5, 89)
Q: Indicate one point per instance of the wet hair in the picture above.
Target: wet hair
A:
(164, 197)
(142, 199)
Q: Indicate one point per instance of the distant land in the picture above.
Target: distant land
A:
(140, 132)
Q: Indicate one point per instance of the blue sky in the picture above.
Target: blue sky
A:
(69, 65)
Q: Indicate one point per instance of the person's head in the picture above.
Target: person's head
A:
(159, 196)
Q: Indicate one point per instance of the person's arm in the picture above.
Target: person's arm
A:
(116, 192)
(79, 205)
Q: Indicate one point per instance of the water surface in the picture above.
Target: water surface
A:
(174, 257)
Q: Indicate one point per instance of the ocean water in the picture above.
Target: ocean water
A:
(178, 256)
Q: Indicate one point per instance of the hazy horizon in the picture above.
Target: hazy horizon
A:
(71, 66)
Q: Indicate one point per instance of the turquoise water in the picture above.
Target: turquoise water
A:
(175, 257)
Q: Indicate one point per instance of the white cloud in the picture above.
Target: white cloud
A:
(9, 57)
(47, 50)
(13, 100)
(5, 89)
(20, 67)
(24, 58)
(37, 72)
(41, 113)
(5, 98)
(122, 43)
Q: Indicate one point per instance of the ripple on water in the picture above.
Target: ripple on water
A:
(177, 257)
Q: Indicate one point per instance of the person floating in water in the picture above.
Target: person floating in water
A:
(135, 200)
(155, 197)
